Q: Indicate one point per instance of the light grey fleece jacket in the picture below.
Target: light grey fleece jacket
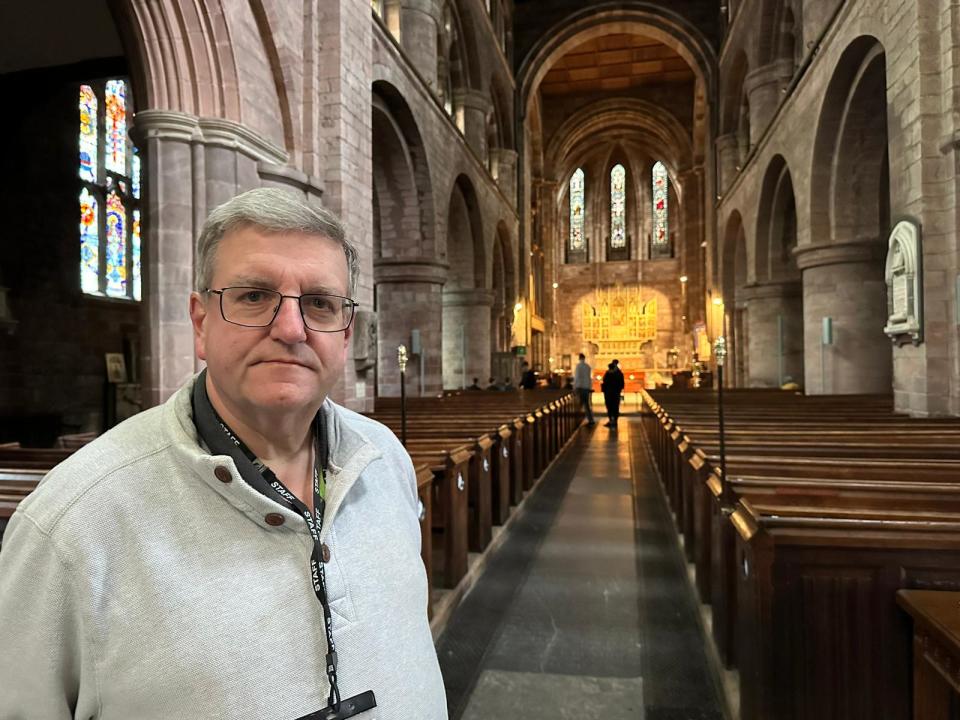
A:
(135, 584)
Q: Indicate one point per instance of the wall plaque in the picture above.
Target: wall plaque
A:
(904, 285)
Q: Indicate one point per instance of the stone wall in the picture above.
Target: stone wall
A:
(918, 43)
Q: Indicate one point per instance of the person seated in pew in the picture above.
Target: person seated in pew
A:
(476, 385)
(507, 384)
(247, 549)
(492, 385)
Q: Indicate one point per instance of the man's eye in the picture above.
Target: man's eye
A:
(321, 303)
(253, 296)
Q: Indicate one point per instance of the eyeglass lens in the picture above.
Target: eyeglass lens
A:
(256, 307)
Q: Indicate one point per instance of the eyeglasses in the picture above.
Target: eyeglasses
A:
(258, 307)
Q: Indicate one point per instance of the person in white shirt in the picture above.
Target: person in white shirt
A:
(583, 387)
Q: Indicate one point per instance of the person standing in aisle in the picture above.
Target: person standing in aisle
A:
(583, 387)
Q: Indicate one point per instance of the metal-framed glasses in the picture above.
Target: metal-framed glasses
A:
(258, 307)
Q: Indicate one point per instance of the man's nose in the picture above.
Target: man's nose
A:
(288, 325)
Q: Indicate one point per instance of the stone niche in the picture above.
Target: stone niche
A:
(904, 279)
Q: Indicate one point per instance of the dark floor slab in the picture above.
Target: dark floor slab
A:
(586, 604)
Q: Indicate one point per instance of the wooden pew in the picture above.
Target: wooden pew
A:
(936, 652)
(819, 633)
(817, 468)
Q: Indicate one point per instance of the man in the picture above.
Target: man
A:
(249, 549)
(492, 385)
(528, 378)
(583, 387)
(612, 388)
(476, 385)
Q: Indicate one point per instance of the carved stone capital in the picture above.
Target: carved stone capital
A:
(468, 298)
(811, 256)
(183, 127)
(409, 270)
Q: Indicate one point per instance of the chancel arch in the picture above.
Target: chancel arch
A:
(409, 270)
(849, 223)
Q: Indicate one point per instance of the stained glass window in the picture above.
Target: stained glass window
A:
(135, 173)
(135, 242)
(618, 194)
(661, 186)
(116, 246)
(116, 127)
(110, 175)
(577, 240)
(89, 243)
(88, 134)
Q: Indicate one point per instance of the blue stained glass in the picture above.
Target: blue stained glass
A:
(116, 246)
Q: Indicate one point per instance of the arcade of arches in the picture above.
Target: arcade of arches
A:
(524, 180)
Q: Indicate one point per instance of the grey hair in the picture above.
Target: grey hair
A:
(275, 211)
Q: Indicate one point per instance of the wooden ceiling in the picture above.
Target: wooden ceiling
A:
(615, 62)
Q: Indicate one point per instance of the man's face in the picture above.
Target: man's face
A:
(285, 366)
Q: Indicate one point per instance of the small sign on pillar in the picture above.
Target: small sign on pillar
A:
(904, 284)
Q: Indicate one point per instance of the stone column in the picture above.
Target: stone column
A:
(503, 166)
(409, 297)
(419, 22)
(192, 165)
(774, 332)
(475, 105)
(168, 232)
(466, 336)
(845, 282)
(763, 91)
(728, 159)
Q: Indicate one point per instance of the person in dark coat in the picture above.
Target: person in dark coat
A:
(612, 388)
(528, 379)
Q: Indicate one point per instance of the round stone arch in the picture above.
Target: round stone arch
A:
(842, 264)
(774, 302)
(408, 267)
(504, 295)
(646, 18)
(466, 297)
(734, 277)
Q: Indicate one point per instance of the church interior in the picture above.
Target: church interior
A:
(749, 206)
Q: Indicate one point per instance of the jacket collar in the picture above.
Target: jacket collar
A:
(350, 454)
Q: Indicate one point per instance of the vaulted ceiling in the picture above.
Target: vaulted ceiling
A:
(615, 62)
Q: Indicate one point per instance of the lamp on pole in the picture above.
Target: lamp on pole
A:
(402, 361)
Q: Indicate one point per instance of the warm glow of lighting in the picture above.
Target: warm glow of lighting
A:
(551, 361)
(556, 285)
(631, 376)
(718, 301)
(683, 278)
(518, 307)
(599, 377)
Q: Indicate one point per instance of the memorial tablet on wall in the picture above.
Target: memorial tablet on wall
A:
(904, 285)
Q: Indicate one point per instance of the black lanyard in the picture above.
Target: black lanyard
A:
(222, 440)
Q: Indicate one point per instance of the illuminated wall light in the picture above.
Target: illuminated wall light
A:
(556, 285)
(683, 278)
(518, 307)
(718, 301)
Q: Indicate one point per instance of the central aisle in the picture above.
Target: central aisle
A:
(585, 611)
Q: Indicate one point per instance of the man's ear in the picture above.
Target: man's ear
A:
(198, 318)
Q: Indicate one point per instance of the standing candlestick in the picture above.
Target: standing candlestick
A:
(720, 351)
(402, 361)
